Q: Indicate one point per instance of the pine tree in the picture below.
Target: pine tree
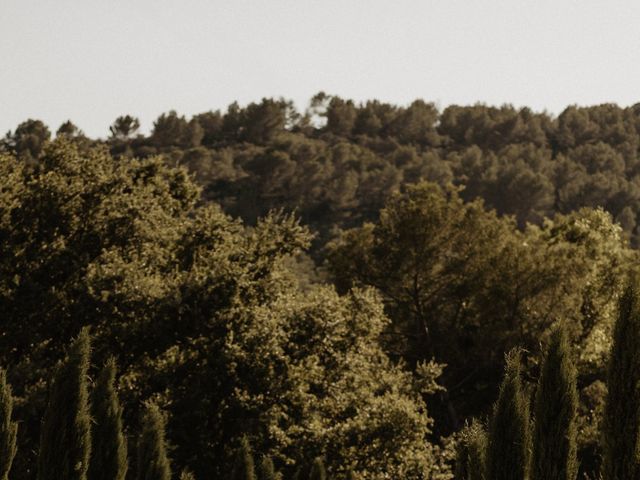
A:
(267, 470)
(556, 406)
(318, 471)
(8, 428)
(471, 453)
(508, 451)
(621, 447)
(65, 440)
(244, 468)
(109, 448)
(153, 462)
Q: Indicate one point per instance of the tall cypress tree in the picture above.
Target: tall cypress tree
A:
(8, 428)
(556, 406)
(621, 446)
(244, 468)
(471, 453)
(318, 471)
(65, 439)
(298, 474)
(508, 452)
(153, 462)
(267, 470)
(109, 448)
(186, 475)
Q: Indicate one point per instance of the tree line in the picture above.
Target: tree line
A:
(337, 161)
(212, 320)
(322, 301)
(82, 435)
(516, 445)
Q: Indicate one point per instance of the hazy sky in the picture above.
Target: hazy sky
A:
(91, 61)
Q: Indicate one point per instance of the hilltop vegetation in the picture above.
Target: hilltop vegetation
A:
(340, 284)
(337, 162)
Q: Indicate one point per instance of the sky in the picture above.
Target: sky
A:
(91, 61)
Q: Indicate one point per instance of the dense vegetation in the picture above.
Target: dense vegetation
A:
(322, 295)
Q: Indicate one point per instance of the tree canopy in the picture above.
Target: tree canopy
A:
(339, 282)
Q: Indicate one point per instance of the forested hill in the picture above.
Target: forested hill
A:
(441, 240)
(336, 162)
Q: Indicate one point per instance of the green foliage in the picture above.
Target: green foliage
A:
(427, 249)
(205, 316)
(69, 257)
(519, 162)
(218, 322)
(211, 123)
(124, 127)
(533, 165)
(310, 365)
(462, 285)
(186, 475)
(28, 140)
(318, 471)
(8, 428)
(264, 120)
(621, 422)
(556, 406)
(243, 468)
(267, 471)
(341, 116)
(509, 437)
(471, 453)
(109, 446)
(153, 462)
(172, 130)
(298, 474)
(65, 441)
(69, 130)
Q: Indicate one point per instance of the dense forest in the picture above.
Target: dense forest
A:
(361, 291)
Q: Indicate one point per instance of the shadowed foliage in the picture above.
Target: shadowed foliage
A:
(471, 453)
(267, 471)
(244, 467)
(8, 428)
(153, 462)
(109, 446)
(65, 442)
(422, 236)
(508, 451)
(556, 407)
(621, 422)
(318, 471)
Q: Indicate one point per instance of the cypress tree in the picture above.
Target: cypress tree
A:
(186, 475)
(109, 448)
(267, 470)
(302, 471)
(318, 471)
(471, 453)
(621, 448)
(153, 462)
(298, 474)
(65, 439)
(508, 450)
(556, 406)
(8, 428)
(244, 468)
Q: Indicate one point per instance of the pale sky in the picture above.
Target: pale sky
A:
(91, 61)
